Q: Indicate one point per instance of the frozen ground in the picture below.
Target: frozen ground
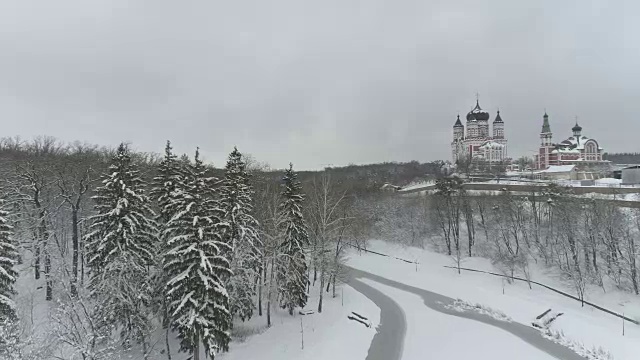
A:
(434, 335)
(329, 335)
(586, 326)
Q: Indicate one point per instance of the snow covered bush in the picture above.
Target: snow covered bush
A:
(578, 348)
(461, 306)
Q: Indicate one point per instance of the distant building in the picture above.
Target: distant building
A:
(560, 172)
(476, 141)
(631, 175)
(575, 150)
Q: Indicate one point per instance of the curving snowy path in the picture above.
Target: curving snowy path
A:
(436, 335)
(388, 341)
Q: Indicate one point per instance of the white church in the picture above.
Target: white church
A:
(477, 141)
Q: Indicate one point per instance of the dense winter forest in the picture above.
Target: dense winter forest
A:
(622, 158)
(121, 244)
(126, 248)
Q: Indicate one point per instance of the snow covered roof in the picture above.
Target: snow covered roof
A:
(565, 151)
(559, 168)
(577, 142)
(491, 145)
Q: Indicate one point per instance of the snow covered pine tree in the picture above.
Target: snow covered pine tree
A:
(237, 202)
(292, 264)
(167, 185)
(120, 249)
(197, 268)
(9, 335)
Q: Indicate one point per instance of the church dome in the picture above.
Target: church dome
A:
(577, 128)
(477, 114)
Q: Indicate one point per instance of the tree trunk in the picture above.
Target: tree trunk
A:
(145, 350)
(269, 310)
(36, 263)
(81, 261)
(632, 263)
(587, 261)
(196, 349)
(74, 239)
(47, 273)
(262, 277)
(41, 231)
(269, 293)
(334, 286)
(329, 282)
(321, 289)
(166, 342)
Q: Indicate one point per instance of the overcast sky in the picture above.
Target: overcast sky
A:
(317, 82)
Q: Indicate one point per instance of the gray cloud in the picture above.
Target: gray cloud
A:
(316, 82)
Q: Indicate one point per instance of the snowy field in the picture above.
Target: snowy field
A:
(330, 335)
(587, 326)
(434, 335)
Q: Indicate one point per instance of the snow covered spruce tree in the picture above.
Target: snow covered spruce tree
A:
(9, 335)
(197, 267)
(236, 199)
(292, 265)
(167, 186)
(120, 248)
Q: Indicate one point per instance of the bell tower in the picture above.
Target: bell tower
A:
(546, 145)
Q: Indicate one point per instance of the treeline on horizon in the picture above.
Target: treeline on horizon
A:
(361, 179)
(623, 158)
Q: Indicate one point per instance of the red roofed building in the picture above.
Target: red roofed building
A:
(576, 150)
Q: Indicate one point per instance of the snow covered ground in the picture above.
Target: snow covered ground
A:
(329, 335)
(583, 325)
(433, 335)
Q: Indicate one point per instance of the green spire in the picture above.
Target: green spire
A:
(546, 128)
